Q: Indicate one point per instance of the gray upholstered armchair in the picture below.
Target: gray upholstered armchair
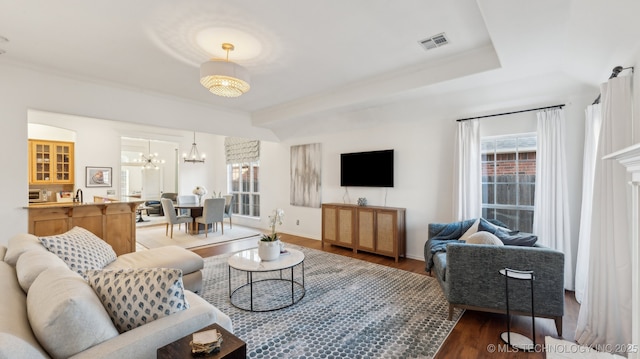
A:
(469, 274)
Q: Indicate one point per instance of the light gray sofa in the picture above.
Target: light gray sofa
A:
(469, 274)
(49, 310)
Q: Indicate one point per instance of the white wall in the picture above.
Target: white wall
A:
(37, 131)
(423, 170)
(422, 142)
(211, 173)
(422, 177)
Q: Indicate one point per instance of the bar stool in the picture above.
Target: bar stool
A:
(517, 340)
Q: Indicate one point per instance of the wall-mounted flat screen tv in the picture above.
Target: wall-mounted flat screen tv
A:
(367, 169)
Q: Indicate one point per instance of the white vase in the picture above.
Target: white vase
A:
(269, 251)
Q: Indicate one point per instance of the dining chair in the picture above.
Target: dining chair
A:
(228, 209)
(172, 218)
(170, 195)
(155, 207)
(187, 199)
(212, 212)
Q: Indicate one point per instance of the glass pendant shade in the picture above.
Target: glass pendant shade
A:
(224, 78)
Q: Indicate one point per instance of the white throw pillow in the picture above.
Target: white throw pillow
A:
(21, 243)
(12, 346)
(134, 297)
(80, 249)
(484, 238)
(472, 230)
(16, 336)
(32, 263)
(65, 314)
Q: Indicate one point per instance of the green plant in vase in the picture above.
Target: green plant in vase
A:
(275, 219)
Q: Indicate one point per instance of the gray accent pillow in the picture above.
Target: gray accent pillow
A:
(134, 297)
(80, 249)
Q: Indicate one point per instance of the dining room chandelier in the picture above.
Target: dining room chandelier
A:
(194, 155)
(150, 161)
(223, 77)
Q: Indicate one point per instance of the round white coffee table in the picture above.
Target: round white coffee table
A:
(262, 291)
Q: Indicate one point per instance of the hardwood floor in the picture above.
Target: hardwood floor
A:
(473, 335)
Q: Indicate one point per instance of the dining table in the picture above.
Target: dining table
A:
(194, 211)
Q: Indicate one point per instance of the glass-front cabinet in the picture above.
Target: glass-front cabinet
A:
(50, 162)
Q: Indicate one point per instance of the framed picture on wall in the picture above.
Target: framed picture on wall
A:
(98, 177)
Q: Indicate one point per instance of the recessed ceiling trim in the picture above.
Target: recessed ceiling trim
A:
(393, 83)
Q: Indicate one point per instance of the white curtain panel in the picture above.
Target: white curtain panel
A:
(605, 313)
(551, 221)
(467, 171)
(593, 120)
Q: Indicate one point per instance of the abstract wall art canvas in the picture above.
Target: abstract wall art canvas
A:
(306, 175)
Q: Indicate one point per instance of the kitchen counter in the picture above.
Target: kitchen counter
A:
(97, 200)
(114, 222)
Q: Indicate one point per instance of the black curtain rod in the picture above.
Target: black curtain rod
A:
(614, 73)
(510, 113)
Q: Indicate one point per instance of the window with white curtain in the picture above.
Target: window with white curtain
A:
(243, 170)
(244, 185)
(508, 179)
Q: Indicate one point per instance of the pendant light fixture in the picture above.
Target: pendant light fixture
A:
(194, 155)
(224, 78)
(150, 161)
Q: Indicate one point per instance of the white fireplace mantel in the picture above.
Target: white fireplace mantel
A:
(630, 158)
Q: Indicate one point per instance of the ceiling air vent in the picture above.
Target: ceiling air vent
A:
(434, 41)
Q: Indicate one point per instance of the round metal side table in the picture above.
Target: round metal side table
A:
(517, 340)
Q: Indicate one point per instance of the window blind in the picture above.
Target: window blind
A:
(240, 150)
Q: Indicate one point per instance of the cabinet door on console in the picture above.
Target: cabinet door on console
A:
(346, 222)
(366, 229)
(372, 229)
(386, 232)
(329, 224)
(338, 225)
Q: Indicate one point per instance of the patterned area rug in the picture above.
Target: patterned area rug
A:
(351, 309)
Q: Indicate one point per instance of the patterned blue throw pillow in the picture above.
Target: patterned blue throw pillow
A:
(80, 249)
(134, 297)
